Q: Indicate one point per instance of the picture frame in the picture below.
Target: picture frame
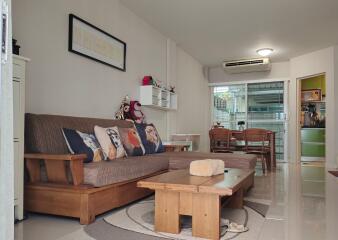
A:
(311, 95)
(91, 42)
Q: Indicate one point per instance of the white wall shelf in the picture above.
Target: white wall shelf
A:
(155, 97)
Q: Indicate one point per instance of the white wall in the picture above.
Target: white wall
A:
(172, 80)
(60, 82)
(311, 64)
(278, 71)
(193, 115)
(332, 164)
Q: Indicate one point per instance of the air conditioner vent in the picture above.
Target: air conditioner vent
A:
(244, 63)
(250, 65)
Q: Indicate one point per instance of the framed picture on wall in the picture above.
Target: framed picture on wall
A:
(92, 42)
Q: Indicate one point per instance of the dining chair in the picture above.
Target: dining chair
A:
(257, 142)
(220, 139)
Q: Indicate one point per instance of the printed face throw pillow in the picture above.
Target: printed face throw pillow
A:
(150, 138)
(131, 141)
(83, 143)
(109, 139)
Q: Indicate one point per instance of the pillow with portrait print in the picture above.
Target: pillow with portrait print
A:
(109, 139)
(150, 138)
(83, 143)
(131, 141)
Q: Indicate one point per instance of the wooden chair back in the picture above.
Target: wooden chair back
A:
(256, 139)
(220, 139)
(238, 135)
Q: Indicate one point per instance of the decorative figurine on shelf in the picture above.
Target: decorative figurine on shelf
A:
(148, 80)
(159, 84)
(241, 125)
(172, 88)
(136, 112)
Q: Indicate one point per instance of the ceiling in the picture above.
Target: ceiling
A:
(217, 30)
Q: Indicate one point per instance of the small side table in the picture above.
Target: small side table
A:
(176, 146)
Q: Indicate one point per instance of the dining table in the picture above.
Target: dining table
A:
(237, 139)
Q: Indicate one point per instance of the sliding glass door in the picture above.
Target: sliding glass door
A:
(266, 110)
(230, 105)
(259, 105)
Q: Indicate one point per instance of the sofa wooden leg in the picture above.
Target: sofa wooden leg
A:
(87, 214)
(88, 219)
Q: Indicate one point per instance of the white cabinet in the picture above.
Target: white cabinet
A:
(19, 66)
(155, 97)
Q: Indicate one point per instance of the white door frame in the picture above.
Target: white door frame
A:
(6, 128)
(298, 116)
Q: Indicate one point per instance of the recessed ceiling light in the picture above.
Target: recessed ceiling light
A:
(264, 52)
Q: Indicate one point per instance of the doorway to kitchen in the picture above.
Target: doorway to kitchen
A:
(312, 111)
(254, 105)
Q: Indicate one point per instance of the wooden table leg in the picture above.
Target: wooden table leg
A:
(167, 218)
(269, 163)
(273, 150)
(206, 216)
(236, 200)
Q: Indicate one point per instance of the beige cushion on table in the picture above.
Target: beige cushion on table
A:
(206, 167)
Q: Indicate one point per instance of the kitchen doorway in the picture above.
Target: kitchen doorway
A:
(312, 113)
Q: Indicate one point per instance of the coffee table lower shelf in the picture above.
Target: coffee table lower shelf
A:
(204, 208)
(174, 198)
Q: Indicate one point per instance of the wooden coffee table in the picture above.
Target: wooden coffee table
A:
(178, 193)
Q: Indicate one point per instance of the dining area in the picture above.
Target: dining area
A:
(258, 141)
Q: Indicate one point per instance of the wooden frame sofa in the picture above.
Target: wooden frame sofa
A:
(76, 199)
(62, 184)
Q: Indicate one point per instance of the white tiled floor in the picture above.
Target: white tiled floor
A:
(303, 205)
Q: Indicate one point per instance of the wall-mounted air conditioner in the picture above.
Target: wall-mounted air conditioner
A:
(248, 65)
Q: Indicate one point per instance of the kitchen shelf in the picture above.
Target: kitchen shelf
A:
(313, 142)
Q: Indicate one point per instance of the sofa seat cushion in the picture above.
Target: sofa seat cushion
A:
(123, 169)
(181, 160)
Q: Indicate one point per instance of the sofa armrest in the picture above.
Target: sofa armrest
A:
(55, 167)
(62, 157)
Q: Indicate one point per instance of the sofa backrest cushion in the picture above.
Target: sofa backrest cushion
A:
(150, 138)
(83, 143)
(131, 141)
(43, 132)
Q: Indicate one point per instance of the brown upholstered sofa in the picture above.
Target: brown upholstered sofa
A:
(60, 183)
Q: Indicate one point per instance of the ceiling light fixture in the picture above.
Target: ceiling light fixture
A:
(264, 52)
